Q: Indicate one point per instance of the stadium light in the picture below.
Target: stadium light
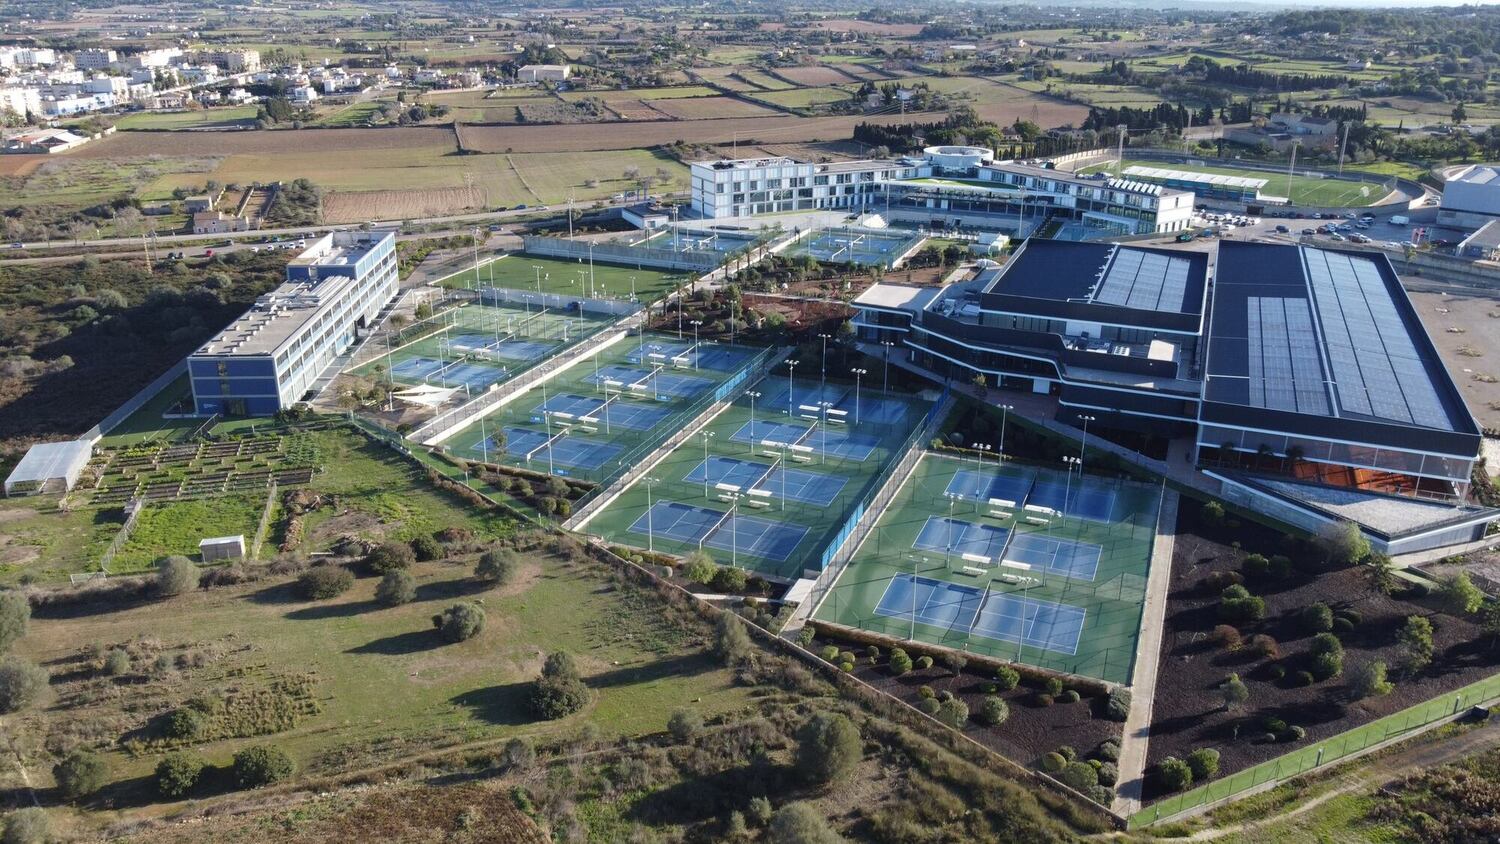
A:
(1005, 410)
(823, 366)
(790, 366)
(858, 374)
(885, 381)
(650, 539)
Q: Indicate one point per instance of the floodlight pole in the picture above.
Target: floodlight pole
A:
(1085, 444)
(1005, 410)
(885, 380)
(823, 364)
(790, 366)
(650, 536)
(706, 436)
(858, 374)
(547, 417)
(753, 396)
(695, 323)
(1068, 484)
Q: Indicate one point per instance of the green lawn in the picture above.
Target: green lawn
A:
(570, 278)
(177, 526)
(206, 118)
(1305, 190)
(1110, 593)
(351, 115)
(46, 544)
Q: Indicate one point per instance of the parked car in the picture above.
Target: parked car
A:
(1185, 237)
(18, 245)
(1282, 230)
(1309, 232)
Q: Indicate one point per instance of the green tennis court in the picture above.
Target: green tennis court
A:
(768, 488)
(1017, 562)
(570, 278)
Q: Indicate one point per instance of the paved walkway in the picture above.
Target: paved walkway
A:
(1134, 741)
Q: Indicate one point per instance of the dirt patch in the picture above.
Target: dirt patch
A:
(347, 523)
(813, 75)
(20, 165)
(366, 205)
(1193, 667)
(17, 555)
(17, 514)
(1465, 327)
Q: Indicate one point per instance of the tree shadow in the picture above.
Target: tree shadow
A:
(504, 705)
(715, 795)
(678, 666)
(322, 611)
(400, 644)
(278, 593)
(447, 589)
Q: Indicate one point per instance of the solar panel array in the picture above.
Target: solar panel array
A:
(1377, 368)
(1285, 373)
(1145, 281)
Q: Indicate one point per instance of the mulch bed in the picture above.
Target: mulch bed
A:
(1031, 731)
(1188, 711)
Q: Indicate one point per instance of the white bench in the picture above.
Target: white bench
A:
(1033, 520)
(971, 571)
(756, 502)
(1002, 503)
(1037, 508)
(801, 458)
(1007, 577)
(1000, 514)
(723, 497)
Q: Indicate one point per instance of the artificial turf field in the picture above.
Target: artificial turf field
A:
(1081, 614)
(1305, 190)
(601, 424)
(477, 345)
(570, 278)
(806, 477)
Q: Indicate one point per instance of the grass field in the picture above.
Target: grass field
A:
(176, 527)
(675, 92)
(1096, 565)
(804, 97)
(47, 544)
(352, 115)
(571, 278)
(809, 491)
(207, 118)
(1305, 190)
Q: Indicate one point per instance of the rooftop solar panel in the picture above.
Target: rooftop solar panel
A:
(1144, 281)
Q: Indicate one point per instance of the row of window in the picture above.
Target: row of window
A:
(1323, 451)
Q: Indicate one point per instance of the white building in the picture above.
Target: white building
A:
(22, 101)
(153, 58)
(1471, 197)
(199, 74)
(49, 468)
(235, 61)
(27, 56)
(68, 105)
(94, 59)
(544, 73)
(302, 95)
(116, 86)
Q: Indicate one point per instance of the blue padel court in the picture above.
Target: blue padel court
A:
(573, 451)
(971, 611)
(632, 415)
(488, 348)
(660, 383)
(708, 356)
(878, 411)
(781, 433)
(834, 443)
(749, 535)
(791, 484)
(424, 370)
(1084, 499)
(959, 537)
(1063, 557)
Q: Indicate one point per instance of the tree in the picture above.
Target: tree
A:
(1080, 776)
(1175, 773)
(729, 580)
(1416, 643)
(261, 765)
(460, 622)
(1006, 678)
(178, 773)
(828, 747)
(389, 556)
(497, 566)
(993, 711)
(396, 588)
(15, 615)
(1459, 596)
(1238, 606)
(731, 641)
(1381, 573)
(1204, 763)
(1235, 692)
(425, 548)
(27, 826)
(1460, 114)
(21, 684)
(175, 575)
(1370, 681)
(80, 774)
(559, 691)
(1343, 544)
(699, 568)
(322, 582)
(684, 723)
(800, 823)
(1327, 656)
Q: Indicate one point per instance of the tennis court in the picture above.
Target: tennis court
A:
(970, 612)
(422, 370)
(751, 536)
(790, 496)
(598, 411)
(486, 348)
(565, 449)
(563, 277)
(879, 247)
(655, 380)
(689, 355)
(1062, 590)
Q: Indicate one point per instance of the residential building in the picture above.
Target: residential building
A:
(27, 56)
(217, 222)
(116, 86)
(151, 59)
(544, 73)
(94, 59)
(302, 95)
(21, 100)
(270, 357)
(70, 104)
(235, 61)
(43, 141)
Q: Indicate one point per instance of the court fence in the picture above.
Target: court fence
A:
(509, 296)
(614, 253)
(1394, 727)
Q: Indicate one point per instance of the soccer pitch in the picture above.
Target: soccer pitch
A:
(571, 278)
(1013, 562)
(1305, 190)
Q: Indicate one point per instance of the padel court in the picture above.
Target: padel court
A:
(970, 611)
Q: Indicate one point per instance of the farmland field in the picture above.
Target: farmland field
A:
(812, 75)
(769, 83)
(804, 97)
(363, 206)
(206, 118)
(707, 108)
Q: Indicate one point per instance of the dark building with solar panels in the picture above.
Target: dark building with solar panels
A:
(1298, 366)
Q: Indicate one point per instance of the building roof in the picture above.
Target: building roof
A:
(47, 461)
(1102, 281)
(1324, 333)
(897, 296)
(1390, 516)
(1486, 236)
(744, 163)
(1216, 179)
(1479, 174)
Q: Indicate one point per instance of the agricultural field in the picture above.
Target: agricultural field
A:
(354, 114)
(365, 206)
(762, 80)
(712, 108)
(804, 98)
(66, 184)
(812, 75)
(205, 118)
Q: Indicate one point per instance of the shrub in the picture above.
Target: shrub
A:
(27, 826)
(262, 765)
(80, 774)
(21, 684)
(1053, 763)
(954, 713)
(1108, 750)
(1256, 565)
(185, 722)
(1316, 618)
(1238, 606)
(955, 662)
(1109, 773)
(924, 662)
(929, 705)
(323, 582)
(175, 575)
(497, 566)
(1175, 773)
(900, 662)
(1235, 692)
(1265, 646)
(699, 568)
(1052, 686)
(1006, 678)
(1342, 625)
(684, 724)
(806, 635)
(178, 773)
(1343, 544)
(1294, 733)
(460, 622)
(1458, 595)
(1117, 706)
(1043, 699)
(1067, 752)
(1352, 616)
(117, 663)
(1218, 581)
(1370, 681)
(1080, 775)
(830, 653)
(1204, 763)
(1416, 643)
(396, 588)
(1281, 566)
(925, 692)
(993, 711)
(390, 556)
(800, 823)
(1327, 665)
(15, 615)
(517, 755)
(559, 691)
(1303, 678)
(828, 747)
(732, 641)
(730, 580)
(847, 666)
(1211, 513)
(1227, 636)
(426, 548)
(1069, 696)
(1276, 672)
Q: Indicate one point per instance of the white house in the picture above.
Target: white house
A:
(544, 73)
(303, 95)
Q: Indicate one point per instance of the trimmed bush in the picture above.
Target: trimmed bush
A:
(21, 684)
(800, 823)
(497, 566)
(1052, 686)
(175, 575)
(954, 713)
(1227, 636)
(389, 557)
(926, 692)
(1303, 678)
(699, 568)
(1235, 692)
(1174, 773)
(1238, 606)
(900, 662)
(1342, 625)
(1044, 700)
(1108, 750)
(830, 653)
(1220, 580)
(806, 635)
(396, 588)
(1294, 733)
(1316, 618)
(1053, 763)
(828, 747)
(1006, 678)
(924, 662)
(1370, 681)
(1204, 763)
(1069, 696)
(117, 663)
(1117, 706)
(1080, 775)
(684, 724)
(1256, 566)
(80, 774)
(1109, 774)
(929, 705)
(1068, 752)
(178, 773)
(730, 580)
(559, 691)
(261, 765)
(323, 582)
(993, 711)
(1265, 646)
(459, 622)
